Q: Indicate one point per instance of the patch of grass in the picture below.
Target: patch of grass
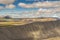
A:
(55, 38)
(12, 23)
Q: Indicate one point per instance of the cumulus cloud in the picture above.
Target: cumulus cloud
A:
(25, 5)
(57, 9)
(33, 14)
(40, 4)
(7, 1)
(1, 7)
(45, 10)
(11, 6)
(53, 10)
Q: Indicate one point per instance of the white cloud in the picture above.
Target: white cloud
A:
(7, 1)
(33, 14)
(40, 4)
(45, 10)
(48, 12)
(25, 5)
(57, 9)
(10, 6)
(1, 7)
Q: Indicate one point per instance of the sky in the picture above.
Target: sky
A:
(30, 8)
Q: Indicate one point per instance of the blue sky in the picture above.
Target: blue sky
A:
(27, 8)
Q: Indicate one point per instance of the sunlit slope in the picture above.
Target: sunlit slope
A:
(54, 38)
(12, 23)
(32, 31)
(24, 21)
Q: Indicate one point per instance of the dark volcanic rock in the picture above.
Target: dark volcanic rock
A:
(32, 31)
